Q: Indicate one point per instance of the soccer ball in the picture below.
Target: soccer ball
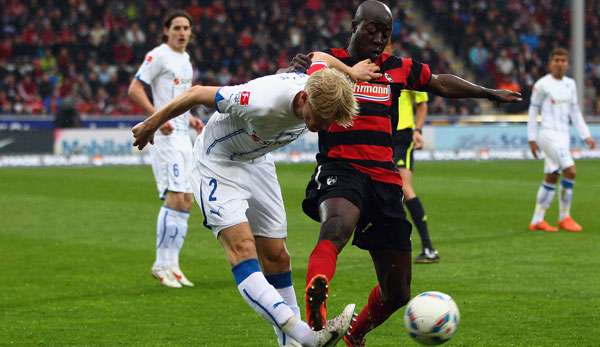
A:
(431, 318)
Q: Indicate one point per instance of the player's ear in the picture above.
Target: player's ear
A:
(354, 26)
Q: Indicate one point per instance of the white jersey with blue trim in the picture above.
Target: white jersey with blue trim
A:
(556, 101)
(169, 73)
(254, 118)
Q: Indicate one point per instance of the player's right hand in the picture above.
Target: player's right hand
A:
(365, 71)
(142, 135)
(534, 149)
(300, 63)
(590, 143)
(418, 140)
(167, 128)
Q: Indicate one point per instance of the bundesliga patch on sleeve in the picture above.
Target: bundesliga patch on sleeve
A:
(244, 98)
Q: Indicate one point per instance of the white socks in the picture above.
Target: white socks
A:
(545, 195)
(171, 229)
(283, 283)
(565, 193)
(268, 303)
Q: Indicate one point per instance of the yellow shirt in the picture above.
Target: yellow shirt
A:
(406, 117)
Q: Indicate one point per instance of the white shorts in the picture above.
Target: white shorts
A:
(233, 192)
(556, 149)
(172, 162)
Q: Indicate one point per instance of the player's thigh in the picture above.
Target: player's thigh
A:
(223, 201)
(172, 164)
(266, 211)
(557, 155)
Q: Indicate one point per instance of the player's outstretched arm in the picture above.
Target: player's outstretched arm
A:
(452, 86)
(362, 71)
(143, 132)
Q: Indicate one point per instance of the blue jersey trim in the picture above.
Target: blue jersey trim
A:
(244, 269)
(226, 137)
(218, 97)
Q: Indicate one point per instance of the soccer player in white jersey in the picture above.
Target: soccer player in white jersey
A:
(236, 184)
(168, 71)
(555, 98)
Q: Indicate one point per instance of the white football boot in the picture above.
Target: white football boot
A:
(180, 277)
(336, 328)
(165, 277)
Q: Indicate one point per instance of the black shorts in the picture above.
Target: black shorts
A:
(382, 224)
(404, 148)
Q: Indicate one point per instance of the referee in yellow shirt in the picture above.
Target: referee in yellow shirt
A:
(407, 138)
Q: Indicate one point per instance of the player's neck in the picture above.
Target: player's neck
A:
(175, 49)
(557, 76)
(296, 106)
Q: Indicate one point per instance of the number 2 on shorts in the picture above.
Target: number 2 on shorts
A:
(213, 184)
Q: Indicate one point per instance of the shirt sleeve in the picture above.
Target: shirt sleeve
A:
(420, 97)
(316, 66)
(150, 68)
(577, 117)
(419, 74)
(537, 98)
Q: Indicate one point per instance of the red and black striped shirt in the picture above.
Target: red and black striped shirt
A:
(367, 145)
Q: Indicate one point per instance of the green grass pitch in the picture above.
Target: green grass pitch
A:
(76, 246)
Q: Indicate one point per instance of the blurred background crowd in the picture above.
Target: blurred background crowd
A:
(84, 53)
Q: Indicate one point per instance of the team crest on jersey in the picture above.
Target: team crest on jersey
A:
(372, 92)
(331, 180)
(149, 59)
(388, 77)
(176, 81)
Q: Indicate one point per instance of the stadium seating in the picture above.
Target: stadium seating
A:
(86, 52)
(506, 43)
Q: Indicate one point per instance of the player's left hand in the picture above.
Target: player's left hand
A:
(418, 139)
(196, 124)
(143, 134)
(503, 95)
(590, 143)
(365, 71)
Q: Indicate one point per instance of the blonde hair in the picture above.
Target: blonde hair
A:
(331, 96)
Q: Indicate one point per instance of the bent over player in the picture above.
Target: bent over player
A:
(356, 188)
(236, 183)
(554, 96)
(168, 71)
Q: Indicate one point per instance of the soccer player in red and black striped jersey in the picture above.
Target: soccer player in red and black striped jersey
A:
(356, 186)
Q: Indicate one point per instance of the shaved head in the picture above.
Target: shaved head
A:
(371, 30)
(373, 10)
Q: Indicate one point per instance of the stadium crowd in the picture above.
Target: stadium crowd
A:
(86, 52)
(506, 43)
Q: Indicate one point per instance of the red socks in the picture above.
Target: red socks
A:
(372, 315)
(322, 261)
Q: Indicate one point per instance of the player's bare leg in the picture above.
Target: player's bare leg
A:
(392, 292)
(240, 248)
(338, 221)
(566, 222)
(172, 225)
(544, 198)
(428, 254)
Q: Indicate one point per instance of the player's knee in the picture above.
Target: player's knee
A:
(570, 173)
(395, 299)
(242, 249)
(337, 229)
(277, 256)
